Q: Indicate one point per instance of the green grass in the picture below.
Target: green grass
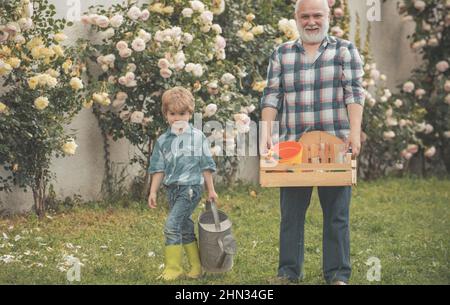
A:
(403, 222)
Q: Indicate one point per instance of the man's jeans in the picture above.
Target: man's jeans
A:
(335, 203)
(183, 199)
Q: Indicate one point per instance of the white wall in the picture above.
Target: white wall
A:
(82, 174)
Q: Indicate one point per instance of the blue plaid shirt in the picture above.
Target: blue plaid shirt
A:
(314, 94)
(182, 158)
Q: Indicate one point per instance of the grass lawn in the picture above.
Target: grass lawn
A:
(403, 222)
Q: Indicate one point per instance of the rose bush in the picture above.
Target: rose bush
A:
(41, 89)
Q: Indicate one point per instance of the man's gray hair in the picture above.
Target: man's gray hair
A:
(297, 6)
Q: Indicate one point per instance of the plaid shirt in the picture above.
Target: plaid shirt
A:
(182, 158)
(314, 95)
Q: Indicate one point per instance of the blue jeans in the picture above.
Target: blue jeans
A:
(183, 199)
(335, 203)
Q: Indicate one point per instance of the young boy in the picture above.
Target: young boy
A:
(181, 159)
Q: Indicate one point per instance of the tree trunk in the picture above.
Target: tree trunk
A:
(39, 196)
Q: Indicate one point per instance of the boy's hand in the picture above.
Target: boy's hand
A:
(152, 200)
(212, 196)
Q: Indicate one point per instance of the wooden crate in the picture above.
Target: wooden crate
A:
(318, 167)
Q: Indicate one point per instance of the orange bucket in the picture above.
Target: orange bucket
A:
(289, 152)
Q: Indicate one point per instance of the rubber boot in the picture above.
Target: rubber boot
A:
(193, 256)
(173, 263)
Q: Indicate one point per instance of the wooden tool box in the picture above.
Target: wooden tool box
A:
(324, 163)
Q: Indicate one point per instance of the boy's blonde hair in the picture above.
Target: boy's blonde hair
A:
(177, 99)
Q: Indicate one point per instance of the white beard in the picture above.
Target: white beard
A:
(315, 38)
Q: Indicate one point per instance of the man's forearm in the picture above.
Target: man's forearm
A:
(268, 116)
(355, 114)
(156, 182)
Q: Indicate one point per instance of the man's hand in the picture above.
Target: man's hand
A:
(152, 200)
(212, 196)
(265, 145)
(354, 141)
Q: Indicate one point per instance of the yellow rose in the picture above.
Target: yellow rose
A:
(247, 26)
(5, 69)
(41, 103)
(59, 51)
(157, 8)
(168, 10)
(5, 52)
(53, 73)
(14, 62)
(67, 65)
(250, 17)
(3, 108)
(88, 104)
(59, 37)
(35, 42)
(36, 52)
(248, 36)
(33, 82)
(259, 86)
(76, 83)
(70, 147)
(257, 30)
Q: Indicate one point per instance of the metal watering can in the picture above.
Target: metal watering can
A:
(216, 244)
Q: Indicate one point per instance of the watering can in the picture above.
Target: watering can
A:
(216, 243)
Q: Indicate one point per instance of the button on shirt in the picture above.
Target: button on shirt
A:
(313, 94)
(182, 158)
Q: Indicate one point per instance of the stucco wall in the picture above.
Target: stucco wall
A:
(82, 174)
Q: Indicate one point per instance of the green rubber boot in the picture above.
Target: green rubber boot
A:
(193, 256)
(173, 263)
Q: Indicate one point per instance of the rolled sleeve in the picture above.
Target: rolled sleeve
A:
(272, 94)
(352, 78)
(157, 163)
(206, 160)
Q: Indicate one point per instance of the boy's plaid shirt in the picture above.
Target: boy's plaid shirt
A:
(313, 96)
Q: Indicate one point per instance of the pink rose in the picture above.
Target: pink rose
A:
(430, 152)
(165, 73)
(442, 66)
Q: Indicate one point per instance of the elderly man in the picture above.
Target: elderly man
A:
(314, 83)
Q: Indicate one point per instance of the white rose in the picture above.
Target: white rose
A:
(206, 17)
(419, 5)
(228, 79)
(187, 38)
(124, 53)
(145, 14)
(216, 28)
(210, 110)
(187, 12)
(138, 45)
(145, 36)
(388, 135)
(116, 21)
(102, 21)
(118, 103)
(134, 13)
(137, 117)
(398, 103)
(408, 87)
(121, 45)
(197, 5)
(198, 70)
(442, 66)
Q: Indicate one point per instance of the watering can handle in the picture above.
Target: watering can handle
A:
(212, 205)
